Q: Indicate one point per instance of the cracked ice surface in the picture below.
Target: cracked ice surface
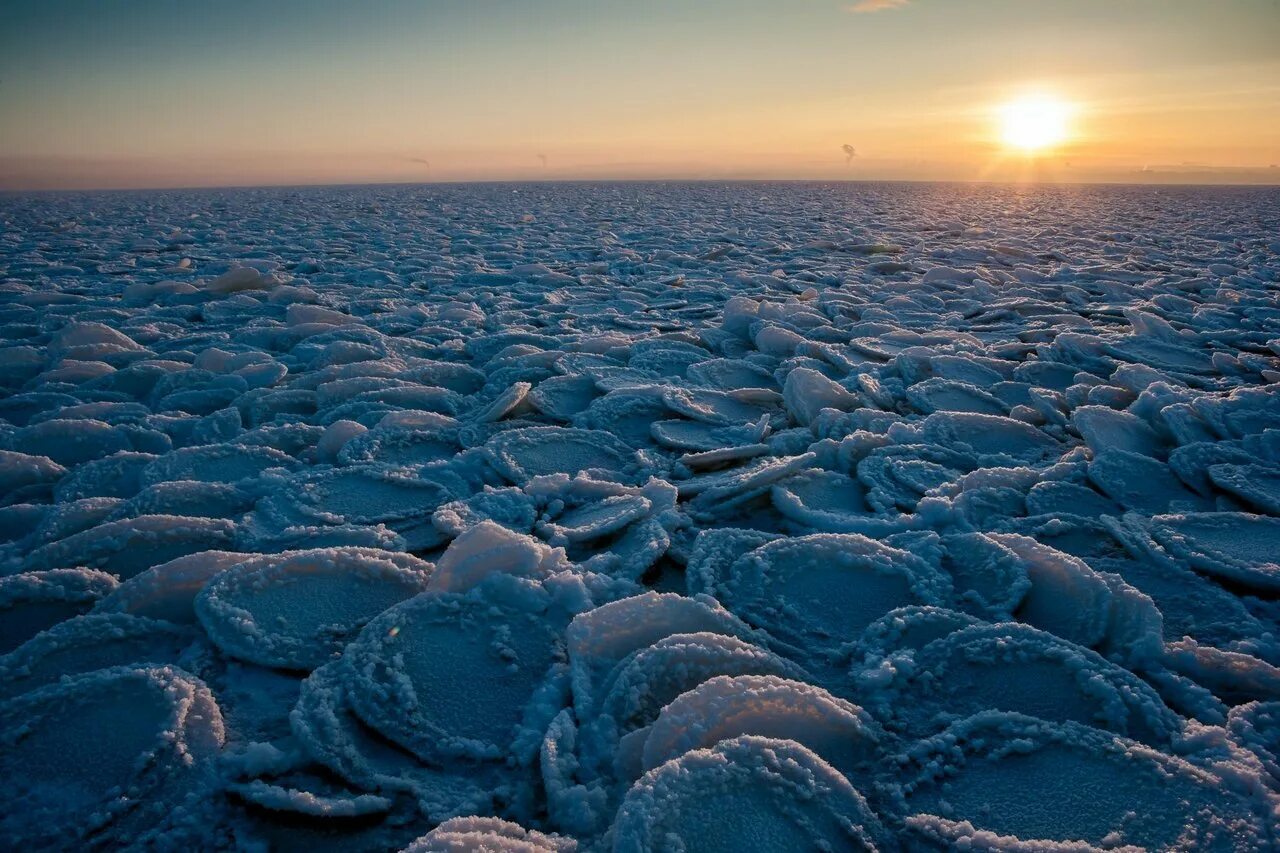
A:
(641, 517)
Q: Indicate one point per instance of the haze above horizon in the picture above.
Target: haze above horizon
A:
(140, 93)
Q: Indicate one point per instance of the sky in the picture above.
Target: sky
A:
(165, 93)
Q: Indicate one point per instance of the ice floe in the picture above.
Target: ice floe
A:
(640, 517)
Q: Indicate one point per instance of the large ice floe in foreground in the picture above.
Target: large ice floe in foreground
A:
(640, 518)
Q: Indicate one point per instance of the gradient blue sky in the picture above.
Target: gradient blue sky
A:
(178, 93)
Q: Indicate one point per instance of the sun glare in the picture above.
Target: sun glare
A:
(1034, 122)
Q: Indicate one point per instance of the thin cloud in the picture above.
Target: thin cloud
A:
(877, 5)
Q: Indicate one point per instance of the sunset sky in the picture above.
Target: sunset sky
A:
(147, 93)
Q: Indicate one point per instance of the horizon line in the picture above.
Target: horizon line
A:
(10, 191)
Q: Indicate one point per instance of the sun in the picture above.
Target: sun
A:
(1034, 122)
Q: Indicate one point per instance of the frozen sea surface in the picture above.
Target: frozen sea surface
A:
(641, 517)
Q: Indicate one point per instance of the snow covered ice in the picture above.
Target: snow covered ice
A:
(641, 517)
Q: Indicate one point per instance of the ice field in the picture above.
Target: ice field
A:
(641, 517)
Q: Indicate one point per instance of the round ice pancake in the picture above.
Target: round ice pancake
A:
(131, 545)
(726, 707)
(18, 519)
(562, 397)
(113, 412)
(33, 601)
(988, 437)
(1103, 428)
(277, 405)
(449, 676)
(366, 495)
(833, 502)
(488, 834)
(1245, 411)
(457, 377)
(728, 374)
(20, 470)
(168, 591)
(1162, 354)
(19, 409)
(644, 682)
(726, 408)
(332, 736)
(1191, 462)
(67, 518)
(423, 398)
(642, 534)
(1058, 782)
(948, 395)
(216, 463)
(298, 609)
(600, 518)
(191, 498)
(1011, 667)
(1256, 485)
(1053, 375)
(713, 553)
(71, 442)
(667, 362)
(817, 592)
(401, 446)
(716, 492)
(979, 372)
(775, 792)
(911, 628)
(521, 454)
(108, 757)
(896, 477)
(700, 437)
(117, 476)
(1058, 498)
(1063, 594)
(812, 495)
(616, 380)
(1236, 546)
(627, 413)
(1142, 484)
(600, 638)
(93, 641)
